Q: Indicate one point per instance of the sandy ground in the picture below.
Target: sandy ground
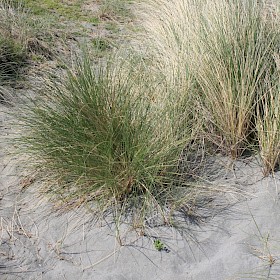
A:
(239, 239)
(237, 236)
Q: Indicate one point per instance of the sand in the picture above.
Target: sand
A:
(237, 235)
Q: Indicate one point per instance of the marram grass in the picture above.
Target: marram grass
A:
(97, 138)
(20, 37)
(13, 49)
(225, 49)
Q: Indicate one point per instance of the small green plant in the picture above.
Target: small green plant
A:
(94, 20)
(159, 245)
(101, 44)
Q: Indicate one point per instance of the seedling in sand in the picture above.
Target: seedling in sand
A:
(158, 245)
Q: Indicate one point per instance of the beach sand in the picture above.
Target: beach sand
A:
(236, 237)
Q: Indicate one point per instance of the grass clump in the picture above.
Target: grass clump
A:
(13, 49)
(234, 54)
(98, 139)
(226, 50)
(19, 37)
(12, 58)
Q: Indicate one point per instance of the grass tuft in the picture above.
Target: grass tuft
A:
(13, 51)
(12, 58)
(99, 139)
(234, 54)
(225, 48)
(20, 36)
